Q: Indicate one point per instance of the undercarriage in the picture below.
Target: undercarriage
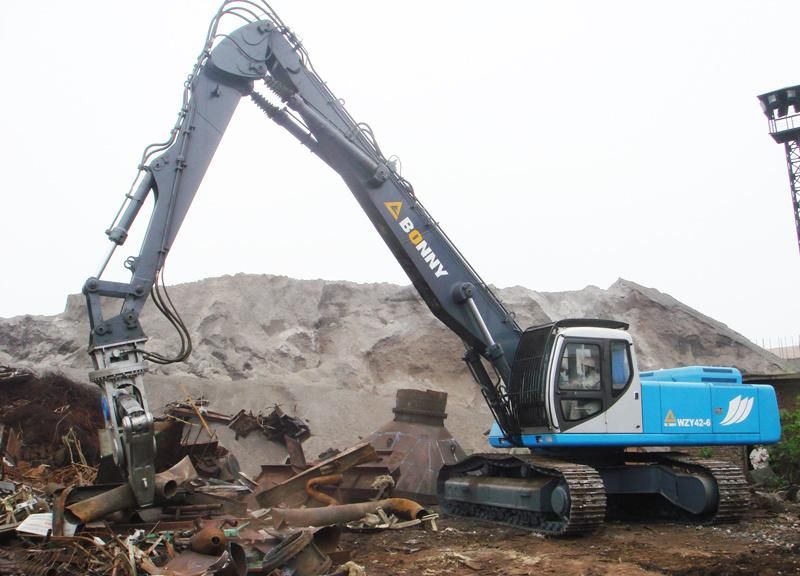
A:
(559, 497)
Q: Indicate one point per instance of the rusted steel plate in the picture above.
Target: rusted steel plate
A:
(336, 465)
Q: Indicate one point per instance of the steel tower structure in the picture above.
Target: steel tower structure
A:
(782, 109)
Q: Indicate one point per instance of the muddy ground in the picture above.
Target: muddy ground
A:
(763, 543)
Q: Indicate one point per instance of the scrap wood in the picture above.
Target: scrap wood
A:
(73, 475)
(465, 560)
(13, 444)
(72, 442)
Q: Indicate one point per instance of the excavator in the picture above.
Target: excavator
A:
(566, 396)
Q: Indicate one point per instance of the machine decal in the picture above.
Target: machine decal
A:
(417, 239)
(671, 421)
(738, 410)
(394, 208)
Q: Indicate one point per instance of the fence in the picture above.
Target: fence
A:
(786, 347)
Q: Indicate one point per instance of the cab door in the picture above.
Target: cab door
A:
(578, 385)
(589, 376)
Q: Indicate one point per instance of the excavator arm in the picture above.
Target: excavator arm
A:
(264, 52)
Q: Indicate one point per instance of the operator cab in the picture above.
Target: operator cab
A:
(576, 376)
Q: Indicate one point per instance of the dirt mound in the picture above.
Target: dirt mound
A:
(335, 353)
(260, 326)
(667, 332)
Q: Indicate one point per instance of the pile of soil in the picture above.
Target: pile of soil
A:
(42, 409)
(335, 353)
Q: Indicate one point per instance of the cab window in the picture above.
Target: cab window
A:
(580, 367)
(620, 365)
(581, 408)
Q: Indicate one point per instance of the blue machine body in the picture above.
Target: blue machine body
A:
(692, 406)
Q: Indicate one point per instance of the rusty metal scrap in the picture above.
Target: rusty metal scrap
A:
(294, 447)
(191, 408)
(299, 554)
(168, 480)
(319, 496)
(190, 563)
(275, 426)
(336, 465)
(17, 502)
(198, 526)
(121, 497)
(102, 505)
(36, 412)
(357, 485)
(198, 429)
(224, 544)
(326, 515)
(209, 540)
(243, 423)
(416, 443)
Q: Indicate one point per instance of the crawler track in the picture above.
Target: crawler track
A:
(587, 498)
(734, 495)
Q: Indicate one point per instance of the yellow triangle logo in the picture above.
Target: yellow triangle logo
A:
(670, 418)
(394, 208)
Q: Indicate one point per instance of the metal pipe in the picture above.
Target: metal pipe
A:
(168, 481)
(323, 481)
(327, 515)
(122, 497)
(102, 505)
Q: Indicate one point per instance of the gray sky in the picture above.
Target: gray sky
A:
(559, 144)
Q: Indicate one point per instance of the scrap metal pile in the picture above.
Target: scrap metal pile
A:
(63, 512)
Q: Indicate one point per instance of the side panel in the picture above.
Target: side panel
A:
(735, 409)
(651, 407)
(685, 407)
(676, 407)
(768, 414)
